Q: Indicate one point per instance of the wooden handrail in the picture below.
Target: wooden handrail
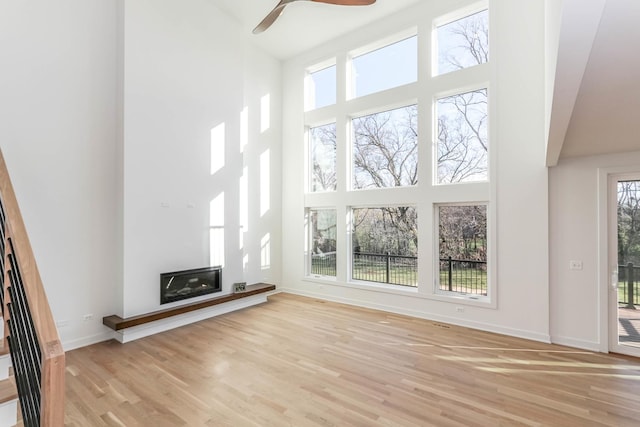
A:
(52, 358)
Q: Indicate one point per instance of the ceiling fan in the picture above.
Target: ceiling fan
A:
(277, 11)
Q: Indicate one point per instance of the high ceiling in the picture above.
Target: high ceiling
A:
(606, 114)
(596, 104)
(304, 24)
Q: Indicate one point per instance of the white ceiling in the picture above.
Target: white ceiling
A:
(304, 24)
(596, 105)
(606, 116)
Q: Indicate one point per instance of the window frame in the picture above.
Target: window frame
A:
(448, 18)
(378, 45)
(460, 90)
(309, 242)
(308, 80)
(309, 158)
(351, 141)
(426, 194)
(385, 285)
(481, 299)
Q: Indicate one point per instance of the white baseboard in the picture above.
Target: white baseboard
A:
(487, 327)
(575, 343)
(141, 331)
(85, 341)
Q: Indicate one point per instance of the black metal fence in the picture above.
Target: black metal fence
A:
(324, 264)
(463, 276)
(385, 268)
(629, 285)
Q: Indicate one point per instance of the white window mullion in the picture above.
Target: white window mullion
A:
(342, 165)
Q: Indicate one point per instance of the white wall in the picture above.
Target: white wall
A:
(578, 303)
(553, 13)
(521, 193)
(58, 111)
(106, 112)
(262, 242)
(184, 75)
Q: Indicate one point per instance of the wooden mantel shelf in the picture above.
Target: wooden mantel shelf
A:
(118, 323)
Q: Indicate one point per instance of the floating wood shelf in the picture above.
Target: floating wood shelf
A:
(118, 323)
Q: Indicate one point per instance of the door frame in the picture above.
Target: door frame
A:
(607, 255)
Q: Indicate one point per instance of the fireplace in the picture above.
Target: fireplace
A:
(179, 285)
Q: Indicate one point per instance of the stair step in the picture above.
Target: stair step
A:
(8, 402)
(5, 365)
(8, 390)
(4, 349)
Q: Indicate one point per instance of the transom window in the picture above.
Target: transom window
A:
(463, 43)
(398, 62)
(320, 88)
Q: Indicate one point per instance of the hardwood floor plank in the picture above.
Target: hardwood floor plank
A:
(302, 362)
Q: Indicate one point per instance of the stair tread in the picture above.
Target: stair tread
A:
(8, 391)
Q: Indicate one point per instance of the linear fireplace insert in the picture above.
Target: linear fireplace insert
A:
(179, 285)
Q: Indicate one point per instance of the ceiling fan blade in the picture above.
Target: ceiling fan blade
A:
(347, 2)
(277, 11)
(270, 18)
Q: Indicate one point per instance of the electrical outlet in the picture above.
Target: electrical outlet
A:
(460, 309)
(575, 265)
(87, 317)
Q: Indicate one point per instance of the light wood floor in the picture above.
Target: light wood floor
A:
(299, 362)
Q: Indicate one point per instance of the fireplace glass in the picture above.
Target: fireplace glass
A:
(180, 285)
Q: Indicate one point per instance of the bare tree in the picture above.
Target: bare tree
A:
(385, 149)
(462, 137)
(462, 119)
(463, 232)
(467, 42)
(382, 230)
(629, 222)
(385, 154)
(323, 155)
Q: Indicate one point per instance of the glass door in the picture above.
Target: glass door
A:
(625, 269)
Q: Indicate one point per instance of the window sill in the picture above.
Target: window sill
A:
(468, 300)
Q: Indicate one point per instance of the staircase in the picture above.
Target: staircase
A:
(8, 393)
(32, 360)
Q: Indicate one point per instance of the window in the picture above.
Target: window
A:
(462, 249)
(389, 124)
(322, 147)
(462, 153)
(323, 242)
(385, 245)
(321, 88)
(463, 43)
(397, 62)
(385, 149)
